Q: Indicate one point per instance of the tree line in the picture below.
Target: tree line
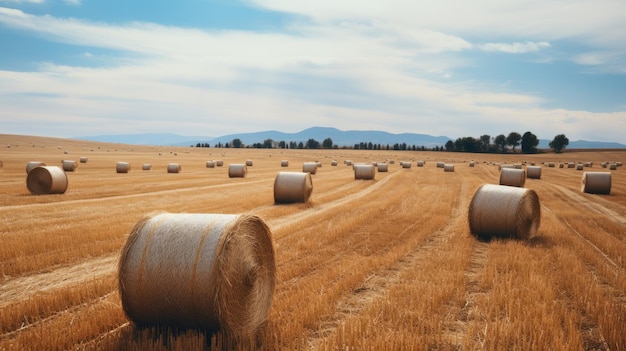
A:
(527, 142)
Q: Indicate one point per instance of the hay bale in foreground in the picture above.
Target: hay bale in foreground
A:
(365, 172)
(504, 211)
(292, 187)
(46, 180)
(173, 168)
(202, 271)
(122, 167)
(596, 183)
(534, 172)
(237, 170)
(512, 177)
(309, 167)
(69, 165)
(32, 164)
(448, 167)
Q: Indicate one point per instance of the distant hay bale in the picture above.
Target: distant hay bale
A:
(587, 164)
(32, 164)
(249, 163)
(292, 187)
(318, 164)
(448, 167)
(237, 170)
(365, 172)
(551, 164)
(613, 166)
(571, 165)
(405, 164)
(333, 163)
(199, 271)
(619, 163)
(596, 183)
(219, 163)
(604, 164)
(375, 164)
(420, 163)
(471, 164)
(173, 168)
(348, 162)
(579, 166)
(46, 180)
(533, 172)
(69, 165)
(146, 167)
(500, 167)
(512, 177)
(561, 165)
(504, 211)
(210, 164)
(122, 167)
(391, 162)
(83, 159)
(440, 164)
(382, 167)
(284, 163)
(309, 167)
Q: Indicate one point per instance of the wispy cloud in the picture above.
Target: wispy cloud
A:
(515, 48)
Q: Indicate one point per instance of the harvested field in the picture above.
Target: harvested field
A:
(361, 265)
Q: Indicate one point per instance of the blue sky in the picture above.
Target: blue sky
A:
(208, 68)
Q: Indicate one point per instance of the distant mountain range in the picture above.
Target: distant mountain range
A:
(339, 137)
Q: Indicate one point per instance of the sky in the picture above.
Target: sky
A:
(455, 68)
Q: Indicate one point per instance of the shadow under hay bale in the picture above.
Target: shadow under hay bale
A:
(199, 271)
(505, 212)
(237, 170)
(596, 183)
(122, 167)
(46, 180)
(365, 172)
(292, 187)
(32, 164)
(512, 177)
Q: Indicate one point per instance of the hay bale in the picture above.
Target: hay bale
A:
(571, 165)
(512, 177)
(173, 168)
(32, 164)
(551, 164)
(348, 162)
(122, 167)
(284, 163)
(210, 164)
(146, 167)
(333, 163)
(69, 165)
(219, 163)
(237, 170)
(420, 163)
(318, 164)
(382, 167)
(561, 165)
(471, 164)
(365, 172)
(46, 180)
(292, 187)
(392, 162)
(613, 166)
(604, 164)
(405, 164)
(504, 211)
(533, 172)
(249, 163)
(201, 271)
(309, 167)
(83, 159)
(596, 183)
(448, 167)
(440, 164)
(587, 164)
(517, 166)
(579, 166)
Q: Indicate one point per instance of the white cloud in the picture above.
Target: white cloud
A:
(22, 1)
(515, 48)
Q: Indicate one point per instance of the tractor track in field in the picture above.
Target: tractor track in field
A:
(593, 206)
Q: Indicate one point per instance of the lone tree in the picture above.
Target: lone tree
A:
(500, 141)
(327, 143)
(237, 143)
(513, 139)
(529, 143)
(559, 143)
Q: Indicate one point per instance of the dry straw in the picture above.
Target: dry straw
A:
(284, 163)
(448, 167)
(201, 271)
(83, 159)
(32, 164)
(309, 167)
(46, 180)
(69, 165)
(173, 168)
(534, 172)
(146, 167)
(237, 170)
(504, 211)
(292, 187)
(512, 177)
(596, 183)
(382, 167)
(122, 167)
(365, 172)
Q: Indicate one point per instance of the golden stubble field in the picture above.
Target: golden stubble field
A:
(365, 264)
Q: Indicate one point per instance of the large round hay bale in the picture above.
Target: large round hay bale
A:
(512, 177)
(366, 172)
(382, 167)
(440, 164)
(173, 168)
(292, 187)
(201, 271)
(69, 165)
(46, 180)
(122, 167)
(309, 167)
(284, 163)
(405, 164)
(471, 164)
(249, 163)
(420, 163)
(504, 211)
(596, 183)
(32, 164)
(333, 163)
(83, 159)
(448, 167)
(533, 172)
(613, 166)
(348, 162)
(237, 170)
(210, 164)
(571, 165)
(579, 166)
(551, 164)
(146, 167)
(219, 163)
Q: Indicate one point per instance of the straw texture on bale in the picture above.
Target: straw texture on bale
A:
(46, 180)
(534, 172)
(284, 163)
(83, 159)
(596, 183)
(512, 177)
(366, 172)
(405, 164)
(173, 168)
(237, 170)
(69, 165)
(249, 163)
(448, 167)
(210, 164)
(202, 271)
(309, 167)
(122, 167)
(146, 167)
(32, 164)
(382, 167)
(292, 187)
(504, 211)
